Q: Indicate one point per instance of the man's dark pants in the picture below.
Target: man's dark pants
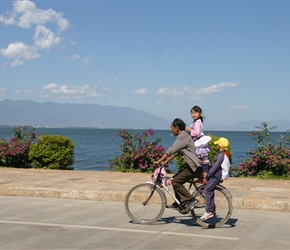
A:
(187, 174)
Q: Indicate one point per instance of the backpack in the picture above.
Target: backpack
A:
(226, 166)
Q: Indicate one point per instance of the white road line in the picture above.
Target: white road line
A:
(116, 229)
(201, 236)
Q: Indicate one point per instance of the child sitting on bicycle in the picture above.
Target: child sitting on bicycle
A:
(214, 177)
(200, 139)
(185, 146)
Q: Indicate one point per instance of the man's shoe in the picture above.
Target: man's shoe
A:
(206, 216)
(172, 206)
(190, 204)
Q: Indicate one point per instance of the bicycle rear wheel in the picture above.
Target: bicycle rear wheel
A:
(145, 203)
(223, 207)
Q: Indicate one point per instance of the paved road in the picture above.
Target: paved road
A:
(49, 223)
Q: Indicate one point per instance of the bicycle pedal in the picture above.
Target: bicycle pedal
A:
(182, 211)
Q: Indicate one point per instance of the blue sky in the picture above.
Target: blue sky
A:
(231, 58)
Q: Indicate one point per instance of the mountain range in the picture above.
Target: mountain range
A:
(50, 114)
(251, 125)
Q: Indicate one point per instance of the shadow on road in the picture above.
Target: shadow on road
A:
(189, 221)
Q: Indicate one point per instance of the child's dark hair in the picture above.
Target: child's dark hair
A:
(199, 110)
(177, 122)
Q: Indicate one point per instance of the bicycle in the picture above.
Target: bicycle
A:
(145, 202)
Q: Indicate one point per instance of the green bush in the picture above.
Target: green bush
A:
(138, 152)
(211, 155)
(269, 159)
(52, 152)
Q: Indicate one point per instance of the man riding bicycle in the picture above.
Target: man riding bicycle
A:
(183, 145)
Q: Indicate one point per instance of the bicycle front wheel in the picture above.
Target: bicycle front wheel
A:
(223, 207)
(145, 203)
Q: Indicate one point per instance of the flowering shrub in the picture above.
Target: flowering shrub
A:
(270, 159)
(138, 152)
(15, 153)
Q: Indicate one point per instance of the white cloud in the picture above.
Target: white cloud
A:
(63, 24)
(215, 88)
(238, 107)
(69, 93)
(72, 42)
(20, 52)
(26, 93)
(9, 20)
(70, 90)
(45, 38)
(141, 92)
(190, 93)
(50, 86)
(53, 90)
(2, 91)
(174, 94)
(84, 60)
(26, 15)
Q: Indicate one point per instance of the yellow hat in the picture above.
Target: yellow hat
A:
(223, 143)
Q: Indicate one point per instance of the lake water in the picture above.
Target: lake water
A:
(94, 147)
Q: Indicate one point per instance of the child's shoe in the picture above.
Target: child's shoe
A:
(206, 216)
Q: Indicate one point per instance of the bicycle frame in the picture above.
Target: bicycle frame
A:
(194, 183)
(219, 185)
(158, 182)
